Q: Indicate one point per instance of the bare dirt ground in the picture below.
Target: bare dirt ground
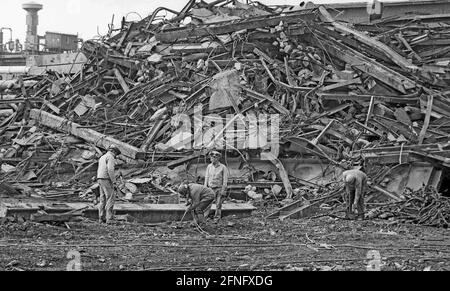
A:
(234, 244)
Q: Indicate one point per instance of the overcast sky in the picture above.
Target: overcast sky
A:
(82, 17)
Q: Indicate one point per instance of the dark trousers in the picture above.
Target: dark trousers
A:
(218, 199)
(199, 211)
(351, 199)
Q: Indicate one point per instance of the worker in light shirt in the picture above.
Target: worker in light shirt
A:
(355, 184)
(216, 178)
(106, 178)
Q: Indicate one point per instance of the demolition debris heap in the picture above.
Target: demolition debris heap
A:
(376, 90)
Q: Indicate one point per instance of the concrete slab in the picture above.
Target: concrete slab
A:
(65, 63)
(145, 213)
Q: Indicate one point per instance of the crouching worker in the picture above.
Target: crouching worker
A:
(201, 198)
(355, 184)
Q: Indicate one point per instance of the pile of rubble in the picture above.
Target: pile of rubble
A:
(424, 207)
(343, 92)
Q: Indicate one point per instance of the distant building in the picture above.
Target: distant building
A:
(60, 42)
(14, 55)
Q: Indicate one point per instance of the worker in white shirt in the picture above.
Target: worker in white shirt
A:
(106, 178)
(216, 178)
(355, 185)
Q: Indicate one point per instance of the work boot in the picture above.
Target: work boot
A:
(348, 216)
(112, 222)
(200, 219)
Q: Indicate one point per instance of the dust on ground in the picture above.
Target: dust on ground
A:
(251, 243)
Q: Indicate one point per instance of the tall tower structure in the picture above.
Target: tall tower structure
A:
(32, 38)
(1, 41)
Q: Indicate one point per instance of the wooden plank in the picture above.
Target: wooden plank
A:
(302, 211)
(397, 149)
(385, 192)
(395, 127)
(434, 42)
(121, 80)
(366, 65)
(300, 206)
(390, 53)
(15, 100)
(322, 133)
(368, 128)
(427, 119)
(172, 35)
(435, 159)
(63, 125)
(406, 44)
(389, 159)
(440, 105)
(390, 99)
(152, 134)
(434, 52)
(179, 162)
(369, 113)
(280, 108)
(333, 111)
(52, 107)
(351, 42)
(341, 84)
(330, 132)
(287, 208)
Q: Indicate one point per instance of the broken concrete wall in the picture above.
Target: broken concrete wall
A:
(66, 63)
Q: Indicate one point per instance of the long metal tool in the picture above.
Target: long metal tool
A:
(184, 215)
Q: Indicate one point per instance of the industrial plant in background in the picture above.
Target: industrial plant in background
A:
(13, 53)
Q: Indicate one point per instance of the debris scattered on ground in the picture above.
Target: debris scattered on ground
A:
(374, 91)
(424, 207)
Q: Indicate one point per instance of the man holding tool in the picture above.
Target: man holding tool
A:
(200, 197)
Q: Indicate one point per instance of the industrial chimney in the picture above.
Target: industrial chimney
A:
(32, 39)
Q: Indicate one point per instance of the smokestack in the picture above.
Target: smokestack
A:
(32, 40)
